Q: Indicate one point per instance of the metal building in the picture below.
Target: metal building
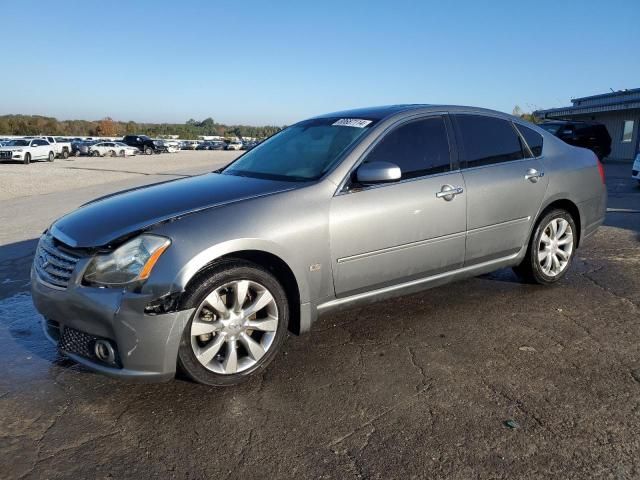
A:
(618, 111)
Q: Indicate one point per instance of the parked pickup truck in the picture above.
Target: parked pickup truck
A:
(61, 147)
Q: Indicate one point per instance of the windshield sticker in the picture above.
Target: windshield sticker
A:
(352, 122)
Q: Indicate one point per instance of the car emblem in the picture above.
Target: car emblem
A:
(45, 260)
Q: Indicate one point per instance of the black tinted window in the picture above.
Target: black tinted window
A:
(418, 148)
(488, 140)
(533, 139)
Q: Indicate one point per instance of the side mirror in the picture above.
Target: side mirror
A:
(378, 172)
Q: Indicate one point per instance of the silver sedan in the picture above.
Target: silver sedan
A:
(209, 273)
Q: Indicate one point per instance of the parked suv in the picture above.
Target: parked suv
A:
(591, 135)
(142, 143)
(210, 272)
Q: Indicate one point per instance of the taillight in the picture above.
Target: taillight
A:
(601, 170)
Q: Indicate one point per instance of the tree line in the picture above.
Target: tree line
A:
(107, 127)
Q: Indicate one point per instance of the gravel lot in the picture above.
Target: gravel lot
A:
(39, 178)
(485, 378)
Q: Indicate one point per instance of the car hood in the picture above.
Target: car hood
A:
(12, 148)
(109, 218)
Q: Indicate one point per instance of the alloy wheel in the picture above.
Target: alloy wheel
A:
(234, 327)
(556, 247)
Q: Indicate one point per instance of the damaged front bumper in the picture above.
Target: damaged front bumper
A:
(144, 346)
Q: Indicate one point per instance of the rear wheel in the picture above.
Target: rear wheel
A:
(551, 249)
(239, 323)
(95, 153)
(77, 153)
(65, 153)
(27, 159)
(112, 153)
(148, 150)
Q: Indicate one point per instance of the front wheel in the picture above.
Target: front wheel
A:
(239, 323)
(121, 153)
(51, 156)
(27, 159)
(148, 151)
(95, 153)
(551, 249)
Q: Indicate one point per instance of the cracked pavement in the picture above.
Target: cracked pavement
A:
(416, 387)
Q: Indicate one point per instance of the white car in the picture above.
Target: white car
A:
(61, 147)
(235, 145)
(27, 149)
(172, 146)
(635, 170)
(112, 149)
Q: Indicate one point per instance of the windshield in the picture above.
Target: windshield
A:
(18, 143)
(302, 152)
(551, 127)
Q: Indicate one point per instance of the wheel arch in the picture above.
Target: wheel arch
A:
(274, 264)
(569, 206)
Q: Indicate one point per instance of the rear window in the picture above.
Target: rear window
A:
(488, 140)
(533, 139)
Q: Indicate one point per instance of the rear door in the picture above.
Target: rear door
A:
(505, 186)
(389, 233)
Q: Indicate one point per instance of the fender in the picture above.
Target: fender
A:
(207, 256)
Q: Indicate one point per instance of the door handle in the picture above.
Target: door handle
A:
(533, 175)
(448, 192)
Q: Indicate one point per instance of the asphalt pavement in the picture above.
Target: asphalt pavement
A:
(485, 378)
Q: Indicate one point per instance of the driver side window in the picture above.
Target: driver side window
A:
(419, 148)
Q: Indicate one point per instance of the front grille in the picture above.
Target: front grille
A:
(75, 341)
(5, 154)
(53, 264)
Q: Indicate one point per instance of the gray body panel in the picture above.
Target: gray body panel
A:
(343, 248)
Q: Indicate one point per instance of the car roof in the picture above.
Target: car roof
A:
(373, 113)
(386, 111)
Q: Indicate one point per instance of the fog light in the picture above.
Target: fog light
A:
(104, 352)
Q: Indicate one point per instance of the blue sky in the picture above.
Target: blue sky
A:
(259, 62)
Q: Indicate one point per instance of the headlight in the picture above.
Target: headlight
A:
(129, 263)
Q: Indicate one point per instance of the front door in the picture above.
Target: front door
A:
(42, 149)
(390, 233)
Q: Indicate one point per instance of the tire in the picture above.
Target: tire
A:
(148, 151)
(27, 159)
(121, 153)
(533, 268)
(112, 153)
(95, 153)
(51, 157)
(77, 153)
(65, 153)
(214, 348)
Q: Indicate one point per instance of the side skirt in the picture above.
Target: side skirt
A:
(420, 284)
